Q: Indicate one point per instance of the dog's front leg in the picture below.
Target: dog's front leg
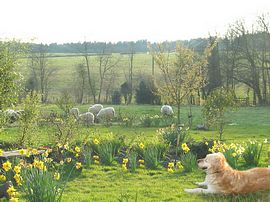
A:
(201, 184)
(199, 191)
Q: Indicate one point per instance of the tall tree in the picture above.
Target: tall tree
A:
(182, 71)
(9, 77)
(41, 71)
(213, 68)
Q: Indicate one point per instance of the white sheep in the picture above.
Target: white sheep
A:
(166, 110)
(106, 113)
(75, 112)
(95, 108)
(12, 115)
(87, 118)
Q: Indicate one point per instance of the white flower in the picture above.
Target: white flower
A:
(265, 141)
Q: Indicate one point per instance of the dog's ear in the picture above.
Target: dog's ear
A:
(218, 164)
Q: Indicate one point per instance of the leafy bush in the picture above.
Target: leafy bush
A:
(116, 97)
(189, 161)
(252, 153)
(171, 134)
(152, 154)
(28, 119)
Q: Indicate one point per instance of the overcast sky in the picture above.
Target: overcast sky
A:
(122, 20)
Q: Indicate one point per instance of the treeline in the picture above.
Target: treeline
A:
(140, 46)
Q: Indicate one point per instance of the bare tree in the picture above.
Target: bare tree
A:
(41, 71)
(107, 63)
(80, 81)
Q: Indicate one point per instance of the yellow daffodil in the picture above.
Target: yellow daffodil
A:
(12, 199)
(1, 152)
(56, 176)
(17, 169)
(179, 165)
(77, 149)
(78, 165)
(27, 153)
(3, 178)
(96, 157)
(170, 170)
(125, 160)
(96, 161)
(68, 160)
(141, 161)
(66, 146)
(234, 154)
(34, 151)
(185, 147)
(96, 141)
(18, 179)
(11, 191)
(59, 145)
(171, 165)
(141, 145)
(61, 162)
(7, 166)
(22, 152)
(206, 143)
(124, 167)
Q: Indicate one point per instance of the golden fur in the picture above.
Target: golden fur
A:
(221, 178)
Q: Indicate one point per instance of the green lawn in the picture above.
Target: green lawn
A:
(102, 183)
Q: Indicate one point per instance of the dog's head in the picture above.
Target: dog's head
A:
(212, 163)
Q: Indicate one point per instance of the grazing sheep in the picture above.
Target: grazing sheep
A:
(12, 115)
(87, 118)
(95, 108)
(106, 113)
(166, 110)
(75, 112)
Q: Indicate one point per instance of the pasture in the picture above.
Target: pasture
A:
(112, 183)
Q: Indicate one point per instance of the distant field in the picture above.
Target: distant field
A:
(65, 64)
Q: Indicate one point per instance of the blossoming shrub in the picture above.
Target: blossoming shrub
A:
(252, 153)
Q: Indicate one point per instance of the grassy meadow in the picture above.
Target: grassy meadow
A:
(111, 183)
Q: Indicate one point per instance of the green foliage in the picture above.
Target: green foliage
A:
(189, 161)
(9, 77)
(28, 119)
(133, 161)
(171, 134)
(116, 97)
(252, 153)
(40, 185)
(65, 102)
(107, 150)
(147, 94)
(220, 100)
(152, 154)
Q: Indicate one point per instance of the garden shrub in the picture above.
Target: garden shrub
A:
(252, 153)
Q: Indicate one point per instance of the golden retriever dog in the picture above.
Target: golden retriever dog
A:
(221, 178)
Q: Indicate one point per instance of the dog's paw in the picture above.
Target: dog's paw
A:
(188, 190)
(200, 184)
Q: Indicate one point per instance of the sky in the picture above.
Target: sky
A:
(62, 21)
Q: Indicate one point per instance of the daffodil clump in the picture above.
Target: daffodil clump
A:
(141, 163)
(185, 148)
(170, 168)
(232, 151)
(124, 164)
(43, 167)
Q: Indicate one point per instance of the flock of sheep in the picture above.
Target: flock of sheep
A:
(95, 113)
